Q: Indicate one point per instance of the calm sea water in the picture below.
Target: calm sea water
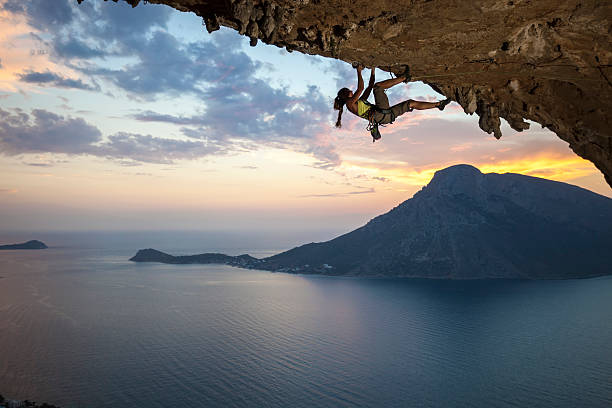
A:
(80, 326)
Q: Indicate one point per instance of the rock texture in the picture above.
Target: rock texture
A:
(546, 61)
(466, 225)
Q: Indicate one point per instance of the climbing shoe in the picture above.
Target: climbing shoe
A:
(443, 103)
(406, 75)
(375, 133)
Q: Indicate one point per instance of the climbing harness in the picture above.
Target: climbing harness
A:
(373, 124)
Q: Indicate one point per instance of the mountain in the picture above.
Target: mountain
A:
(469, 225)
(33, 244)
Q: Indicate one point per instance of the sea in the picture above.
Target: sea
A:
(82, 326)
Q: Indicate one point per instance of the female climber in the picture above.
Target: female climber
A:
(379, 113)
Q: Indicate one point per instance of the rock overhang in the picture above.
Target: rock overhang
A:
(549, 62)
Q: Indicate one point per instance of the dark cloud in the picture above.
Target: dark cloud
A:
(38, 164)
(259, 116)
(150, 116)
(53, 79)
(149, 149)
(240, 106)
(43, 15)
(43, 131)
(71, 47)
(93, 28)
(167, 66)
(121, 22)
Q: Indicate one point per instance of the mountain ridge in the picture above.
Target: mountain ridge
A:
(468, 225)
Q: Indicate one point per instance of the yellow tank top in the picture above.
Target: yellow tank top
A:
(363, 108)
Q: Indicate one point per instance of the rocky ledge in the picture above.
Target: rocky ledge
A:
(10, 403)
(546, 61)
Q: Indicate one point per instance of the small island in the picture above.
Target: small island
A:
(33, 244)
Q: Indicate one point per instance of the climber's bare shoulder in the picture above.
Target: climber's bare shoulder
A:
(351, 105)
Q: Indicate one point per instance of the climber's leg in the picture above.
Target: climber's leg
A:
(388, 83)
(423, 105)
(380, 97)
(402, 108)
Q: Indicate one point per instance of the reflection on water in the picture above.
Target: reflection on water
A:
(84, 327)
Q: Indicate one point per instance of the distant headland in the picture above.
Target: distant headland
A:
(153, 255)
(33, 244)
(463, 225)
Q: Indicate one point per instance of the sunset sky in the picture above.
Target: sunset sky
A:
(121, 118)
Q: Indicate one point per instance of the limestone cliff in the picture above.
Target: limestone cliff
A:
(546, 61)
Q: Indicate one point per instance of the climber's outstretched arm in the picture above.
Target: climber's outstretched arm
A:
(353, 99)
(366, 93)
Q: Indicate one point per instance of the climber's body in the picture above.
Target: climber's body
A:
(380, 112)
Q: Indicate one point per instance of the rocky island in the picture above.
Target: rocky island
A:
(462, 225)
(33, 244)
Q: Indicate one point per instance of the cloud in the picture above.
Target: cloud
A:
(341, 194)
(53, 79)
(42, 14)
(43, 131)
(38, 164)
(383, 179)
(238, 109)
(146, 148)
(150, 116)
(71, 47)
(93, 28)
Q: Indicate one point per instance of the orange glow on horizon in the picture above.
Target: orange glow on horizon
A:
(547, 166)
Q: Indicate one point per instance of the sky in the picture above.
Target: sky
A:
(121, 118)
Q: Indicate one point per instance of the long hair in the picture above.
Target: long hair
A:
(339, 103)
